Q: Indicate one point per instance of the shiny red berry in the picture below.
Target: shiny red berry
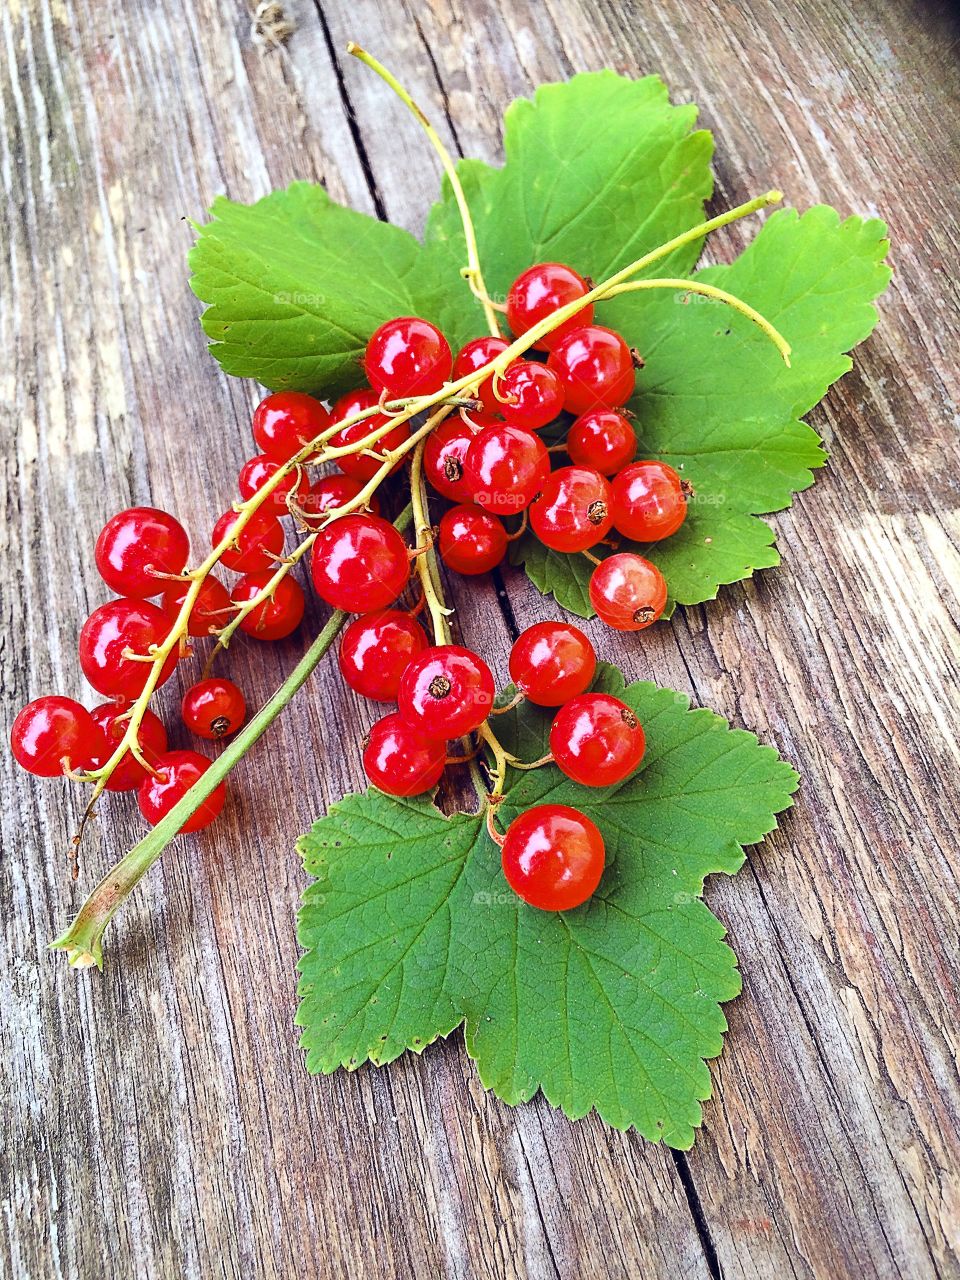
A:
(471, 540)
(214, 708)
(276, 617)
(360, 563)
(444, 457)
(176, 772)
(258, 545)
(649, 501)
(552, 662)
(151, 736)
(446, 691)
(603, 439)
(255, 473)
(353, 402)
(400, 759)
(330, 492)
(376, 650)
(596, 368)
(553, 857)
(532, 395)
(211, 609)
(54, 734)
(475, 355)
(360, 466)
(572, 512)
(538, 292)
(136, 546)
(286, 421)
(596, 740)
(505, 468)
(114, 628)
(628, 592)
(407, 357)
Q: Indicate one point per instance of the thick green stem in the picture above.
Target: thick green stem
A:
(82, 941)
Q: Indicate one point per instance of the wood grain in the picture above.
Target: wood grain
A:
(158, 1120)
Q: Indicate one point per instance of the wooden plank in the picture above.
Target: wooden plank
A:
(165, 1119)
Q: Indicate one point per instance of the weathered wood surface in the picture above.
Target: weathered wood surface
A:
(157, 1120)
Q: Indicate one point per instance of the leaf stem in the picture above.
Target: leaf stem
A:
(472, 272)
(82, 941)
(711, 291)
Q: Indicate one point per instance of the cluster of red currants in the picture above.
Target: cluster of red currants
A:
(552, 855)
(494, 464)
(490, 462)
(141, 554)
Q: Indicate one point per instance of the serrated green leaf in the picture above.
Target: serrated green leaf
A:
(598, 171)
(410, 927)
(295, 284)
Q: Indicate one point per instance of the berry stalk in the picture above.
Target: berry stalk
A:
(720, 295)
(472, 272)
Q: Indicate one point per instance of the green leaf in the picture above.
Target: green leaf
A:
(410, 927)
(598, 171)
(295, 284)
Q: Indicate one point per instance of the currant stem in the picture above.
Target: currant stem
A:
(471, 272)
(82, 941)
(426, 563)
(721, 295)
(225, 634)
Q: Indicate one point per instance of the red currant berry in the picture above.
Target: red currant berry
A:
(211, 609)
(538, 292)
(176, 772)
(444, 457)
(214, 708)
(446, 691)
(286, 421)
(258, 545)
(573, 510)
(596, 740)
(400, 759)
(471, 540)
(533, 395)
(360, 466)
(505, 468)
(553, 857)
(628, 592)
(352, 402)
(649, 501)
(407, 357)
(475, 355)
(596, 368)
(276, 617)
(255, 473)
(331, 492)
(151, 735)
(375, 651)
(111, 630)
(54, 734)
(137, 545)
(359, 564)
(552, 662)
(604, 439)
